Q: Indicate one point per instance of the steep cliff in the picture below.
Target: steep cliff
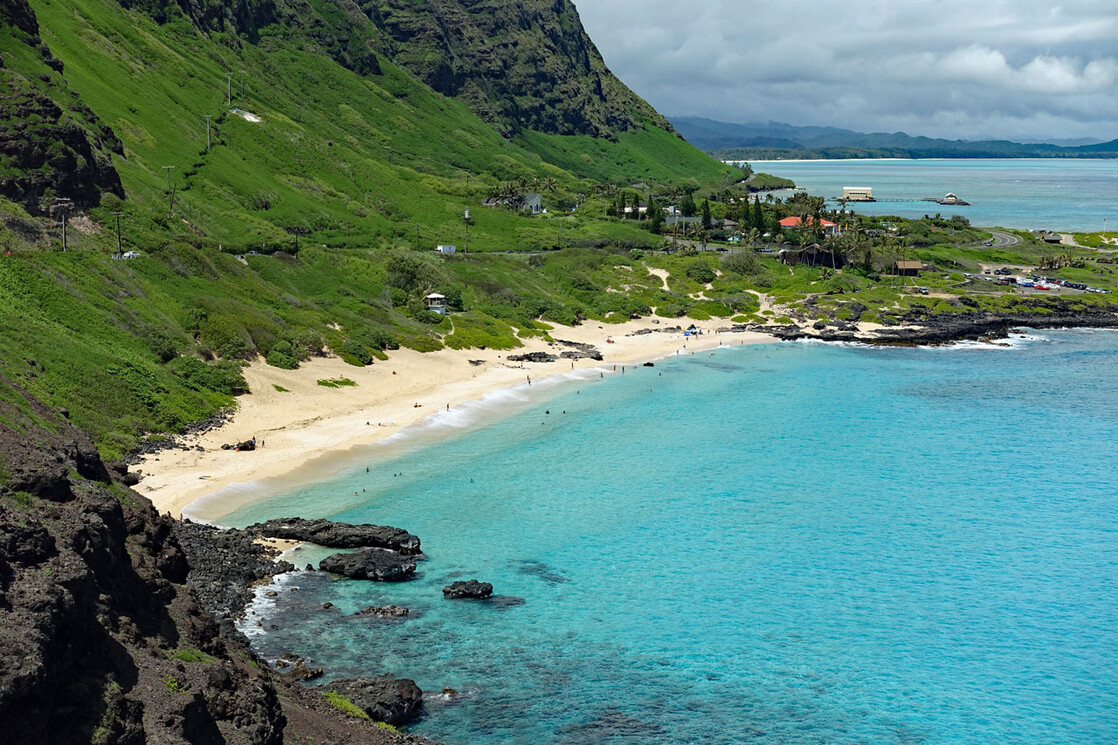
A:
(51, 144)
(524, 64)
(101, 639)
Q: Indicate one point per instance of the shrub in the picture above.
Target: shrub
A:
(700, 271)
(355, 353)
(744, 262)
(223, 377)
(283, 356)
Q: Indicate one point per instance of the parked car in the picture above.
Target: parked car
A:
(130, 255)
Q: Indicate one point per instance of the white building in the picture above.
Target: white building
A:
(436, 303)
(857, 193)
(446, 249)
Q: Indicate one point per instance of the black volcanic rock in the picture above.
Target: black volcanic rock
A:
(469, 589)
(339, 535)
(370, 563)
(225, 565)
(532, 357)
(384, 699)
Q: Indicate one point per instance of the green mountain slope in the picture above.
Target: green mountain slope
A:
(347, 146)
(525, 64)
(331, 152)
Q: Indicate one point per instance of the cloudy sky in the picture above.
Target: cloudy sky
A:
(948, 68)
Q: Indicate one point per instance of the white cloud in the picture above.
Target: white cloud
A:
(1007, 68)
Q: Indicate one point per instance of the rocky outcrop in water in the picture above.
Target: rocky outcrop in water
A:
(388, 611)
(339, 535)
(225, 565)
(384, 699)
(370, 563)
(468, 589)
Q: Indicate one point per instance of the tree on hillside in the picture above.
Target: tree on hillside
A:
(758, 215)
(706, 215)
(687, 205)
(656, 215)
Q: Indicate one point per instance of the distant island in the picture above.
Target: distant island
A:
(776, 141)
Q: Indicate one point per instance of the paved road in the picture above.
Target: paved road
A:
(1003, 240)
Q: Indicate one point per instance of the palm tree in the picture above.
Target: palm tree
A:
(548, 186)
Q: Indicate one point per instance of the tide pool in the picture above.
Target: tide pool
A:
(1053, 194)
(779, 543)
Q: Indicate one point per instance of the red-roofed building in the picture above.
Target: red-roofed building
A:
(796, 223)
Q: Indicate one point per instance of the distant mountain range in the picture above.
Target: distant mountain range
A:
(774, 140)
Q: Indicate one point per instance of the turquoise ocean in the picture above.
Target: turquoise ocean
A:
(1053, 194)
(783, 543)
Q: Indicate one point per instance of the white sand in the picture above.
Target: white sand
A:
(311, 420)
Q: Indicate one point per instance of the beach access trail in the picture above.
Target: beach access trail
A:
(308, 420)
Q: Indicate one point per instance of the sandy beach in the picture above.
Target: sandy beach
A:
(308, 420)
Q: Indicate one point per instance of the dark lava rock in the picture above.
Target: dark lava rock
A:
(339, 535)
(384, 699)
(532, 357)
(470, 589)
(582, 351)
(296, 667)
(386, 611)
(225, 565)
(370, 563)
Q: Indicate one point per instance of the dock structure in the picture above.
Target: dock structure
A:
(857, 194)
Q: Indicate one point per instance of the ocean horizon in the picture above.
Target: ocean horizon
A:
(1060, 194)
(801, 542)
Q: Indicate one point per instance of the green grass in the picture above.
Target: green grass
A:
(173, 685)
(280, 388)
(187, 654)
(344, 705)
(336, 382)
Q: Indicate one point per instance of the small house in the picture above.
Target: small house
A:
(436, 303)
(444, 249)
(908, 268)
(797, 223)
(531, 203)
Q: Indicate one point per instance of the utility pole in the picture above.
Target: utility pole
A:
(207, 118)
(242, 83)
(468, 183)
(467, 249)
(117, 215)
(560, 236)
(228, 89)
(64, 206)
(170, 194)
